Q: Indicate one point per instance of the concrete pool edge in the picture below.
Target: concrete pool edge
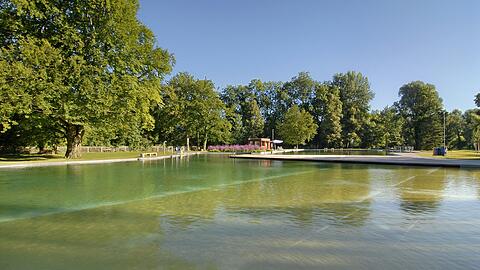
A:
(85, 162)
(398, 160)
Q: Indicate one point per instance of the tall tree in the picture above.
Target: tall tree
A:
(393, 124)
(80, 64)
(383, 129)
(297, 126)
(300, 90)
(327, 111)
(422, 109)
(355, 95)
(471, 118)
(242, 103)
(271, 107)
(455, 130)
(192, 110)
(209, 112)
(253, 121)
(230, 97)
(372, 132)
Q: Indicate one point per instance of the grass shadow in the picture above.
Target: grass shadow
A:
(27, 157)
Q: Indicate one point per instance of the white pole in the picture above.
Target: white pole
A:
(273, 138)
(444, 129)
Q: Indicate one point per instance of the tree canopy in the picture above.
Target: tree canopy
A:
(355, 95)
(422, 110)
(297, 126)
(455, 130)
(192, 109)
(79, 64)
(327, 110)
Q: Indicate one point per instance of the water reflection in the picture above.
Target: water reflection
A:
(422, 194)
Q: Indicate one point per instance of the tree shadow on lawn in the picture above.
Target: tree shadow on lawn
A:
(27, 157)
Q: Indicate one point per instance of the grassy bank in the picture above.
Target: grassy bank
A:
(453, 154)
(27, 158)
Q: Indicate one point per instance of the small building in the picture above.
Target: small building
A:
(263, 143)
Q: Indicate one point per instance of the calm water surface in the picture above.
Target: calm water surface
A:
(211, 212)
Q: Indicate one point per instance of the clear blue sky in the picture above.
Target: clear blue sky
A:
(391, 42)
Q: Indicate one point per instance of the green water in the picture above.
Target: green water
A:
(211, 212)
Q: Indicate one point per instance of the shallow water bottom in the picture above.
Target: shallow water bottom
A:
(211, 212)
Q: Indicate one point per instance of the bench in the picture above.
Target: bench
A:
(151, 154)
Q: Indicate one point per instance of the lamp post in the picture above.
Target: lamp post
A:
(273, 138)
(444, 132)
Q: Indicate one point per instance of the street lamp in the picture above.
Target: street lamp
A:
(444, 131)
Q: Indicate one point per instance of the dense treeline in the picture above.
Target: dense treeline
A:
(342, 116)
(88, 72)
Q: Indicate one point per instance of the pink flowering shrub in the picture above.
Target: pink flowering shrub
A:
(234, 148)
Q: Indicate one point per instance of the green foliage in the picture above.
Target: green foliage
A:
(472, 121)
(355, 95)
(327, 110)
(372, 131)
(80, 64)
(477, 100)
(269, 100)
(476, 139)
(392, 124)
(253, 119)
(422, 109)
(383, 129)
(235, 120)
(192, 109)
(244, 113)
(297, 126)
(300, 89)
(455, 130)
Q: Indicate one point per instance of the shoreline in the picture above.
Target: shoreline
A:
(86, 162)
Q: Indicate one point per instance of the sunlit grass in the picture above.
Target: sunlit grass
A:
(453, 154)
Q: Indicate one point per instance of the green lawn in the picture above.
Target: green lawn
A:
(10, 159)
(453, 154)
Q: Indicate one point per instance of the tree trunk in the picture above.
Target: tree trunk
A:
(41, 148)
(417, 139)
(205, 143)
(198, 141)
(74, 140)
